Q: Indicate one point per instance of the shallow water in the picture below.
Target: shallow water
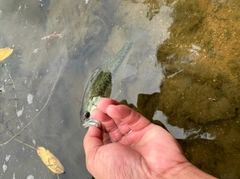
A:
(187, 77)
(26, 109)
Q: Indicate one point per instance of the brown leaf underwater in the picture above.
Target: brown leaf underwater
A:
(50, 160)
(5, 52)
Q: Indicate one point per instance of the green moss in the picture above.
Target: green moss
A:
(188, 16)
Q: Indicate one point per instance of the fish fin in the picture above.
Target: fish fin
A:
(137, 37)
(129, 71)
(116, 93)
(117, 87)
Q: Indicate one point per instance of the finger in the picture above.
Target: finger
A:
(106, 138)
(133, 119)
(104, 103)
(122, 126)
(92, 141)
(108, 124)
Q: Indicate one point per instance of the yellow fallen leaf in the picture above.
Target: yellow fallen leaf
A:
(50, 160)
(5, 52)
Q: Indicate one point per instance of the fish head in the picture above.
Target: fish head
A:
(88, 107)
(85, 117)
(89, 121)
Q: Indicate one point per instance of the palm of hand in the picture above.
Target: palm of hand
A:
(148, 151)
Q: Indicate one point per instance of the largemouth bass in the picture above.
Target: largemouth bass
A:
(104, 80)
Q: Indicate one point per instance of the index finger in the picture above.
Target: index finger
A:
(133, 119)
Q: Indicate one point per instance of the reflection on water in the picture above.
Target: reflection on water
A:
(181, 133)
(196, 43)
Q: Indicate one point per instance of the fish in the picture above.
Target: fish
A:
(105, 79)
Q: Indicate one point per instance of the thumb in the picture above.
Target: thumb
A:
(92, 141)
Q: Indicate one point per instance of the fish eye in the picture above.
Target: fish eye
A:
(86, 114)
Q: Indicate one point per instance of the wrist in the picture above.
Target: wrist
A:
(187, 171)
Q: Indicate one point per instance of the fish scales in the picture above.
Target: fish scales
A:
(102, 85)
(101, 82)
(112, 64)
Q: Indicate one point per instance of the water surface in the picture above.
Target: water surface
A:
(186, 77)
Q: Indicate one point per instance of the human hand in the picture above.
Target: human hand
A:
(132, 147)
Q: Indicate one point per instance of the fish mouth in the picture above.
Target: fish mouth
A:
(89, 121)
(92, 122)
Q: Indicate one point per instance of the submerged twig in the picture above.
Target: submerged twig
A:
(21, 142)
(49, 96)
(14, 87)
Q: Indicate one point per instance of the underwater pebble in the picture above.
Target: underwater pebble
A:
(30, 177)
(4, 167)
(20, 112)
(2, 89)
(34, 141)
(30, 98)
(7, 157)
